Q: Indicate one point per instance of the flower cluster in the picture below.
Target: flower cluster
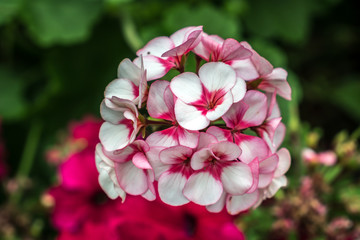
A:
(81, 209)
(210, 137)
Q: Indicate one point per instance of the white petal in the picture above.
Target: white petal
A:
(114, 137)
(110, 115)
(237, 204)
(188, 138)
(236, 178)
(226, 151)
(205, 139)
(171, 185)
(276, 81)
(200, 158)
(217, 76)
(219, 133)
(155, 67)
(154, 160)
(128, 70)
(251, 147)
(187, 87)
(275, 185)
(203, 189)
(239, 90)
(164, 138)
(175, 155)
(183, 34)
(219, 205)
(245, 69)
(156, 103)
(256, 113)
(156, 47)
(122, 88)
(190, 117)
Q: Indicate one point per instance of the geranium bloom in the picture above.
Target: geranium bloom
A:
(207, 97)
(163, 53)
(207, 136)
(327, 158)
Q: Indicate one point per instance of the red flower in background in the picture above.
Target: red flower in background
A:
(82, 210)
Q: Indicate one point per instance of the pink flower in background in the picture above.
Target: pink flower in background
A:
(82, 211)
(327, 158)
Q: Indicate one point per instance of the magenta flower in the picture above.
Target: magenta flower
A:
(327, 158)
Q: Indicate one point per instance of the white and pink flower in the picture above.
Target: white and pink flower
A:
(206, 137)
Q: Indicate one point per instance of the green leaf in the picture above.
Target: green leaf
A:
(8, 9)
(331, 173)
(12, 104)
(350, 196)
(214, 20)
(61, 22)
(347, 97)
(282, 19)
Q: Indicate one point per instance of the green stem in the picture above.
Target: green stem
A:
(129, 30)
(27, 158)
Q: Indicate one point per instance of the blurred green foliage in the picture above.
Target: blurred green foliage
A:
(56, 57)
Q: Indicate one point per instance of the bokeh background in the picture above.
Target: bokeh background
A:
(56, 57)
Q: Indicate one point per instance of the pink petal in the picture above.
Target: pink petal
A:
(269, 165)
(184, 34)
(205, 140)
(189, 117)
(284, 162)
(202, 188)
(237, 204)
(276, 81)
(216, 76)
(239, 90)
(245, 69)
(220, 134)
(233, 50)
(175, 155)
(251, 147)
(140, 161)
(257, 110)
(236, 178)
(187, 87)
(261, 64)
(265, 179)
(188, 138)
(273, 107)
(164, 138)
(132, 179)
(156, 47)
(254, 166)
(156, 105)
(171, 186)
(154, 160)
(269, 128)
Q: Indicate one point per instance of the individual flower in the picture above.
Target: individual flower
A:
(160, 105)
(214, 48)
(260, 74)
(327, 158)
(207, 97)
(164, 53)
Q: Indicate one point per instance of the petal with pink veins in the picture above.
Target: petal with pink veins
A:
(233, 50)
(155, 67)
(226, 151)
(256, 113)
(237, 204)
(251, 147)
(171, 185)
(189, 117)
(200, 159)
(220, 134)
(175, 155)
(203, 188)
(220, 108)
(236, 178)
